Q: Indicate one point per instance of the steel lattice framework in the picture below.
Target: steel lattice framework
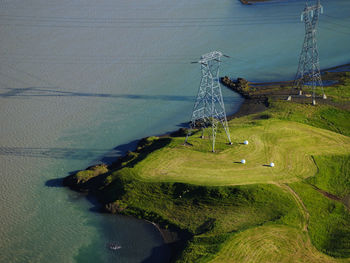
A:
(209, 108)
(309, 67)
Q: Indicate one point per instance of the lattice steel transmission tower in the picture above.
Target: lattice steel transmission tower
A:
(209, 110)
(308, 73)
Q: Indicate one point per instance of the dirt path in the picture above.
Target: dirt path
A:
(300, 204)
(331, 196)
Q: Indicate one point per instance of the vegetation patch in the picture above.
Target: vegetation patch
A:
(321, 116)
(341, 92)
(329, 226)
(210, 214)
(333, 174)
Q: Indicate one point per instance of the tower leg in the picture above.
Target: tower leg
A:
(214, 128)
(225, 126)
(187, 135)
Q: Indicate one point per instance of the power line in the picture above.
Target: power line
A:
(118, 19)
(83, 22)
(335, 30)
(337, 24)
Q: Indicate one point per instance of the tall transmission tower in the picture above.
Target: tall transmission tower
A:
(209, 107)
(308, 73)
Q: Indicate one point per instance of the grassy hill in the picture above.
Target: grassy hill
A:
(230, 212)
(289, 145)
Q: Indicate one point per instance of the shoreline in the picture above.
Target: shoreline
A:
(254, 102)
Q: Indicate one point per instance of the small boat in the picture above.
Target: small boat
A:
(114, 246)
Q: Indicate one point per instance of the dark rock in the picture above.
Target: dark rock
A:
(179, 133)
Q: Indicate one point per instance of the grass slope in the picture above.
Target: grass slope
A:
(270, 243)
(220, 214)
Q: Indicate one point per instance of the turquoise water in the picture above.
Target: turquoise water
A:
(80, 78)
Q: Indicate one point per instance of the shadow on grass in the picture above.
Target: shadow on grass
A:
(155, 145)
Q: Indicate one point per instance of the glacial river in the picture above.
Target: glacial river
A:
(78, 78)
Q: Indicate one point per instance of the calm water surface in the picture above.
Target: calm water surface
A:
(79, 78)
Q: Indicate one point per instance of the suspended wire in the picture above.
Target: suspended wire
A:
(127, 22)
(127, 6)
(107, 60)
(111, 61)
(334, 30)
(337, 17)
(81, 22)
(143, 26)
(337, 24)
(131, 19)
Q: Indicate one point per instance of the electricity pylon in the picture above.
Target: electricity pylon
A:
(309, 67)
(209, 107)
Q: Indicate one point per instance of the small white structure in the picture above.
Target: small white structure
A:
(246, 142)
(272, 164)
(243, 161)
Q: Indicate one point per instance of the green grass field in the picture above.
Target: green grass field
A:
(288, 144)
(293, 212)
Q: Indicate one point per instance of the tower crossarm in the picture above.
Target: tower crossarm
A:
(312, 10)
(214, 55)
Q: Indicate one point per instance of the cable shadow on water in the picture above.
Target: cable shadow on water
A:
(37, 92)
(106, 156)
(53, 153)
(54, 92)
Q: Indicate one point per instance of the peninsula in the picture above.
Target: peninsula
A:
(212, 208)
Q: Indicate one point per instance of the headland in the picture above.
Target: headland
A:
(211, 208)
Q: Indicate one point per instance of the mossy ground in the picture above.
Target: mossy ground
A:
(251, 212)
